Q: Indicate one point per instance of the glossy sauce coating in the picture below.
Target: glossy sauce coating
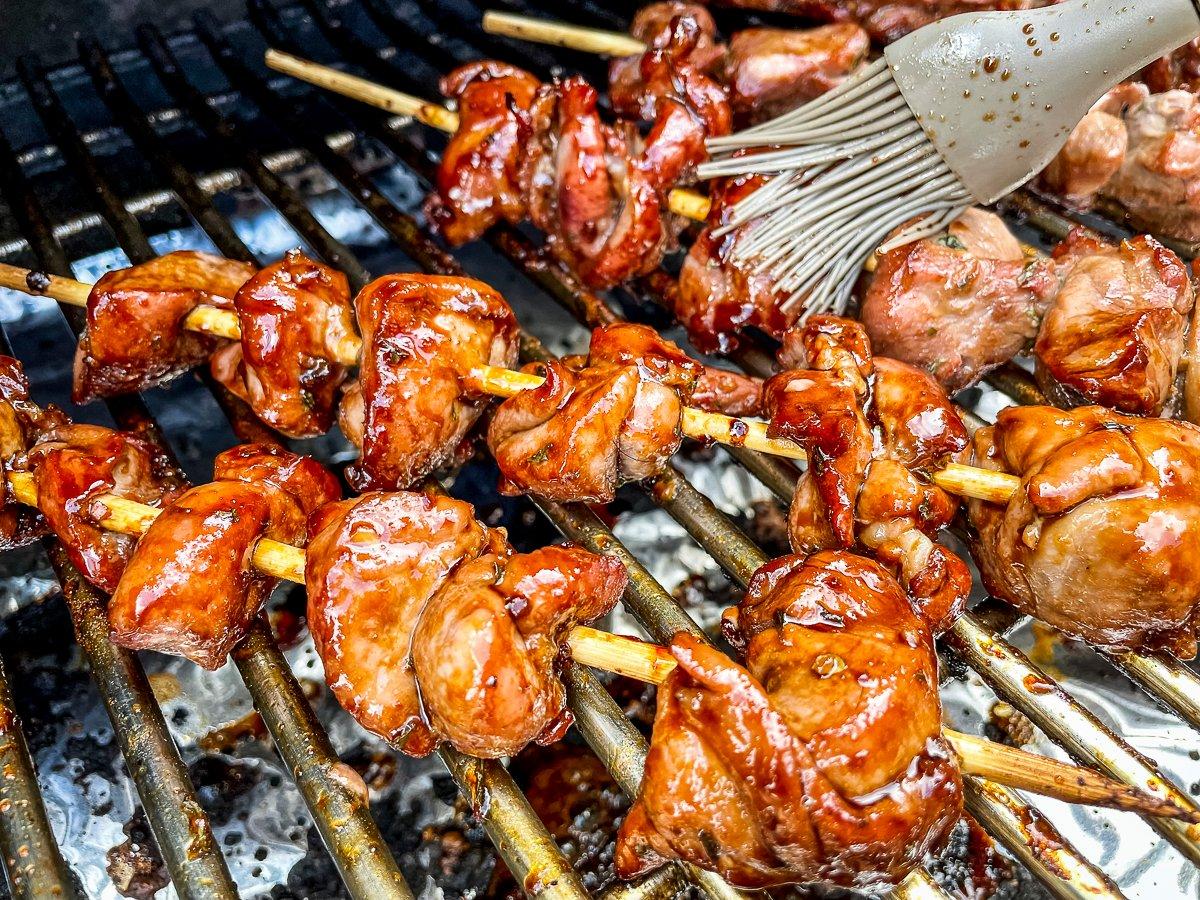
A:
(294, 315)
(189, 587)
(1115, 332)
(590, 428)
(477, 182)
(135, 337)
(872, 427)
(431, 630)
(409, 410)
(717, 298)
(75, 464)
(1101, 539)
(1141, 150)
(959, 304)
(820, 761)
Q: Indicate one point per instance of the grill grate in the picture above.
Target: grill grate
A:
(196, 867)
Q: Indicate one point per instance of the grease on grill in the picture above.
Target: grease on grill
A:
(973, 868)
(135, 865)
(571, 792)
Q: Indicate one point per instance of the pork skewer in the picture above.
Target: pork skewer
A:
(648, 662)
(508, 383)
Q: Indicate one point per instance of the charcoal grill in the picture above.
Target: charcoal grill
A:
(76, 205)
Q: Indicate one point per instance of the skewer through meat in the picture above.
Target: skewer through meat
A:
(820, 760)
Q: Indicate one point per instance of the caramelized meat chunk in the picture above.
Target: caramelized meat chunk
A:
(430, 630)
(1115, 332)
(295, 318)
(716, 298)
(422, 335)
(135, 337)
(586, 430)
(74, 465)
(491, 695)
(630, 94)
(189, 587)
(872, 428)
(477, 182)
(820, 761)
(1100, 540)
(960, 304)
(601, 208)
(771, 71)
(1096, 148)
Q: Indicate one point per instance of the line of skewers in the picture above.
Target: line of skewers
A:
(496, 381)
(98, 508)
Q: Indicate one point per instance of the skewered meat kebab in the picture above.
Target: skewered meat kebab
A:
(487, 695)
(1117, 342)
(557, 441)
(1139, 149)
(1108, 323)
(766, 71)
(426, 364)
(433, 345)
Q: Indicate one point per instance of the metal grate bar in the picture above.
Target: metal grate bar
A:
(241, 147)
(519, 835)
(1035, 842)
(183, 832)
(341, 816)
(735, 552)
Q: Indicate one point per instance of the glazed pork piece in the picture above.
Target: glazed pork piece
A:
(1101, 539)
(1141, 151)
(478, 181)
(1114, 334)
(75, 464)
(716, 299)
(872, 426)
(431, 629)
(959, 304)
(410, 410)
(294, 316)
(189, 587)
(822, 760)
(135, 337)
(764, 71)
(590, 428)
(597, 190)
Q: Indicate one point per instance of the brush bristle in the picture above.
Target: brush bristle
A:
(848, 169)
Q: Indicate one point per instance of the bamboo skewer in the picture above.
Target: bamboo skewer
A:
(651, 663)
(688, 204)
(559, 34)
(958, 479)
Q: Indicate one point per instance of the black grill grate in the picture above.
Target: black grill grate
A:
(446, 33)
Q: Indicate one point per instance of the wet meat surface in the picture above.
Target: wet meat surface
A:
(590, 427)
(821, 760)
(21, 423)
(959, 304)
(1114, 334)
(872, 427)
(190, 587)
(295, 317)
(74, 465)
(1097, 541)
(410, 410)
(135, 337)
(432, 630)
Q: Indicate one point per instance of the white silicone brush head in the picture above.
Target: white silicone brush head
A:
(959, 112)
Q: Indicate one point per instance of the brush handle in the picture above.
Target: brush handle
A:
(998, 93)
